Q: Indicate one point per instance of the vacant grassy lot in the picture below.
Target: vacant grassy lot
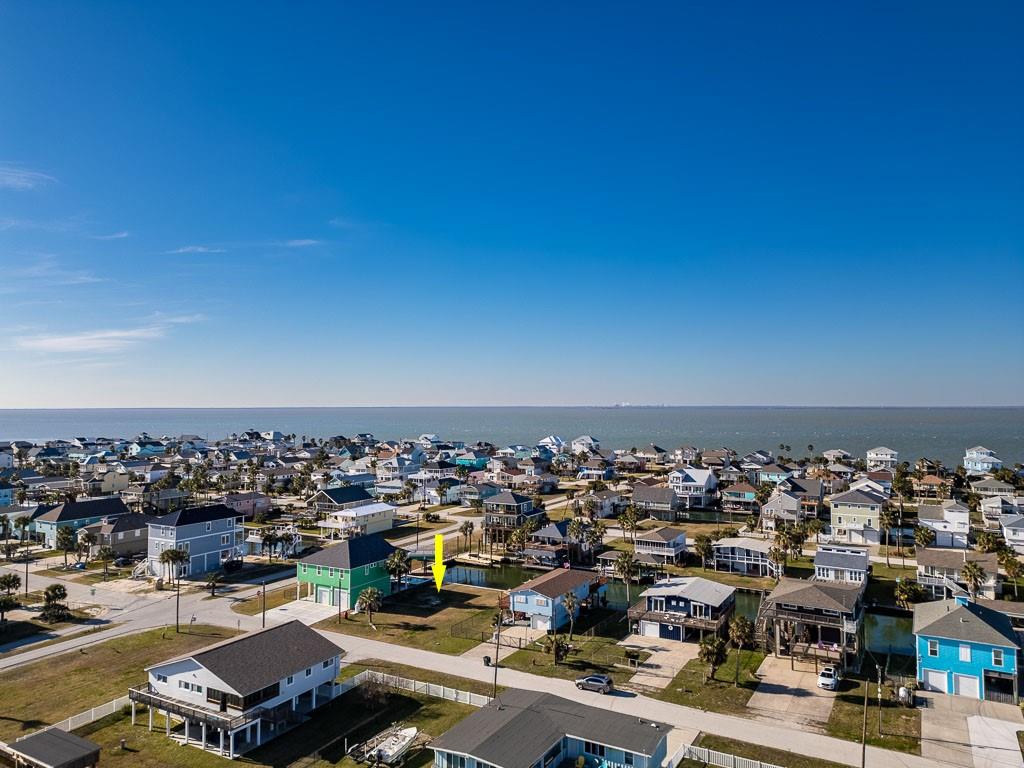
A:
(423, 618)
(589, 655)
(881, 587)
(901, 727)
(415, 673)
(48, 691)
(725, 692)
(757, 752)
(275, 597)
(318, 743)
(409, 529)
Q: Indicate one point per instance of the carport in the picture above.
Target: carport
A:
(53, 748)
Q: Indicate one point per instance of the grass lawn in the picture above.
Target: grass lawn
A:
(901, 727)
(279, 569)
(411, 618)
(718, 694)
(415, 673)
(757, 752)
(318, 743)
(275, 598)
(409, 529)
(49, 641)
(46, 692)
(589, 655)
(881, 588)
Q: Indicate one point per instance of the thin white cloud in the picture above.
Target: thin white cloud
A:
(342, 222)
(45, 272)
(90, 341)
(300, 243)
(17, 177)
(114, 236)
(196, 249)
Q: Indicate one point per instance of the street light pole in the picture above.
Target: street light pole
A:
(177, 604)
(263, 585)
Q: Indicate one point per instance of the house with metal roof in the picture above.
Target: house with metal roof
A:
(679, 607)
(541, 601)
(843, 563)
(337, 574)
(240, 693)
(967, 649)
(530, 729)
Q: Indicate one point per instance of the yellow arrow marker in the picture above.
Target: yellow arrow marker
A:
(438, 567)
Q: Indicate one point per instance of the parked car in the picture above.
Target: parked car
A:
(121, 562)
(829, 678)
(598, 683)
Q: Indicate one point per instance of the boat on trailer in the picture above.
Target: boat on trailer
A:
(393, 745)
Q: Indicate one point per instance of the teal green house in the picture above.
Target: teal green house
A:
(337, 574)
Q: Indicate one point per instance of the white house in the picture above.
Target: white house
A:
(553, 443)
(585, 444)
(979, 460)
(844, 563)
(694, 487)
(1012, 527)
(666, 545)
(358, 521)
(238, 694)
(745, 555)
(950, 520)
(882, 458)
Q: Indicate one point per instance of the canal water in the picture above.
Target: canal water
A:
(883, 633)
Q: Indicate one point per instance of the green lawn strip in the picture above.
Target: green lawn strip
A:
(757, 752)
(410, 618)
(720, 693)
(253, 605)
(599, 653)
(415, 673)
(49, 641)
(901, 726)
(50, 690)
(409, 529)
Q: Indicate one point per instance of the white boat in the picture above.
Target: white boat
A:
(395, 745)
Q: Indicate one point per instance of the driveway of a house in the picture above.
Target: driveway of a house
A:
(968, 732)
(667, 657)
(305, 611)
(790, 694)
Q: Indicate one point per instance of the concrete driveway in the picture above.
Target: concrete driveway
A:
(790, 694)
(305, 611)
(968, 732)
(667, 658)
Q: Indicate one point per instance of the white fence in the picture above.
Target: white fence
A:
(415, 686)
(711, 757)
(91, 715)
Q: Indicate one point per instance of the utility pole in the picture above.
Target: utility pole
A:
(263, 589)
(177, 604)
(497, 650)
(879, 668)
(864, 729)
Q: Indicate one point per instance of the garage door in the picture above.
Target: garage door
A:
(671, 632)
(323, 596)
(966, 685)
(934, 680)
(649, 628)
(541, 622)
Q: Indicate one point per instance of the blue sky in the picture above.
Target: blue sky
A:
(353, 204)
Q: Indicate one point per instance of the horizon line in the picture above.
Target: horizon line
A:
(613, 406)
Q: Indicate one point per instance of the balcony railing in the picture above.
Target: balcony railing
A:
(805, 617)
(146, 694)
(640, 612)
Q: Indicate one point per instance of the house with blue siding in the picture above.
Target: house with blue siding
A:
(77, 515)
(677, 608)
(541, 601)
(967, 649)
(531, 729)
(210, 535)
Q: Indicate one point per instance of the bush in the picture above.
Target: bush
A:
(432, 517)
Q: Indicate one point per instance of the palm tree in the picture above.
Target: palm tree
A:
(10, 583)
(712, 652)
(22, 524)
(571, 603)
(923, 536)
(369, 601)
(105, 556)
(170, 558)
(590, 507)
(212, 580)
(54, 607)
(66, 542)
(886, 521)
(629, 522)
(626, 568)
(85, 541)
(466, 529)
(703, 548)
(815, 527)
(778, 556)
(517, 539)
(397, 565)
(1014, 570)
(7, 603)
(908, 592)
(268, 541)
(575, 532)
(741, 633)
(973, 576)
(595, 537)
(556, 645)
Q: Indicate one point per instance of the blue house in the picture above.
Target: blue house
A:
(541, 601)
(210, 535)
(76, 515)
(6, 494)
(966, 649)
(530, 729)
(677, 608)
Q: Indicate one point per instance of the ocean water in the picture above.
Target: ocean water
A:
(942, 433)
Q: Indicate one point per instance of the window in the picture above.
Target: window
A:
(328, 663)
(161, 678)
(591, 748)
(209, 527)
(541, 601)
(290, 680)
(933, 647)
(319, 571)
(309, 671)
(965, 652)
(997, 657)
(627, 758)
(225, 540)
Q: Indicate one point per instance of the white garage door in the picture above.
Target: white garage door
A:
(934, 680)
(541, 622)
(323, 596)
(649, 628)
(966, 685)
